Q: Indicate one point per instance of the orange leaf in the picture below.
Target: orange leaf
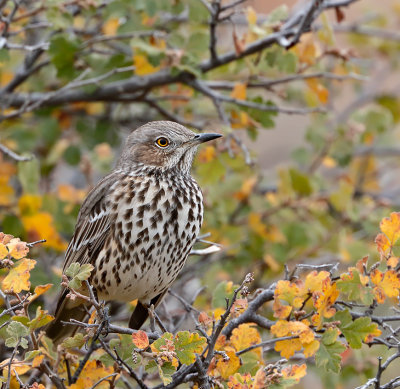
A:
(382, 243)
(387, 284)
(288, 347)
(111, 26)
(140, 340)
(18, 277)
(39, 290)
(294, 372)
(239, 91)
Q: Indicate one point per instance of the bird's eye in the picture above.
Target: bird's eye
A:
(162, 142)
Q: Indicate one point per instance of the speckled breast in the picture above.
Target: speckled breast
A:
(156, 219)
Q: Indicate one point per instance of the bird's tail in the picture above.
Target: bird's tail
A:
(66, 310)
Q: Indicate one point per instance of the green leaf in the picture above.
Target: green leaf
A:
(300, 183)
(328, 354)
(29, 175)
(17, 329)
(222, 291)
(165, 371)
(187, 345)
(41, 319)
(31, 354)
(72, 155)
(355, 331)
(350, 284)
(62, 53)
(75, 341)
(78, 274)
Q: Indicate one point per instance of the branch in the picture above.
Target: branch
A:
(13, 155)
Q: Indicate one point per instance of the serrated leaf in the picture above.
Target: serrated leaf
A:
(355, 331)
(356, 290)
(328, 354)
(187, 345)
(18, 277)
(78, 274)
(31, 354)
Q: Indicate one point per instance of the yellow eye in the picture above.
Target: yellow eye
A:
(162, 142)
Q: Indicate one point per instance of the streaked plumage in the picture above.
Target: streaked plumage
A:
(139, 223)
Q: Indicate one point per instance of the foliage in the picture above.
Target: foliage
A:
(74, 75)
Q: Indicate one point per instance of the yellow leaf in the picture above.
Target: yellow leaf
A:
(323, 301)
(91, 374)
(260, 379)
(140, 340)
(271, 262)
(290, 293)
(41, 226)
(311, 348)
(392, 262)
(18, 277)
(29, 204)
(228, 368)
(314, 281)
(17, 249)
(3, 251)
(245, 336)
(329, 162)
(143, 66)
(271, 233)
(6, 192)
(307, 50)
(37, 360)
(390, 226)
(251, 16)
(246, 189)
(69, 194)
(288, 347)
(111, 26)
(318, 89)
(239, 91)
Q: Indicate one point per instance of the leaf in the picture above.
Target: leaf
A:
(390, 226)
(289, 293)
(41, 319)
(187, 345)
(140, 340)
(355, 287)
(328, 354)
(39, 290)
(295, 372)
(76, 341)
(387, 284)
(355, 331)
(91, 374)
(17, 332)
(17, 249)
(18, 277)
(239, 91)
(224, 290)
(165, 371)
(382, 243)
(29, 175)
(300, 182)
(62, 53)
(143, 66)
(288, 347)
(245, 336)
(230, 367)
(78, 273)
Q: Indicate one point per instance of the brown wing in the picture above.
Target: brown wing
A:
(93, 224)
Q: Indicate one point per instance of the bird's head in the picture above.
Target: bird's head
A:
(164, 145)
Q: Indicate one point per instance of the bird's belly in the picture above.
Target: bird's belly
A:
(145, 254)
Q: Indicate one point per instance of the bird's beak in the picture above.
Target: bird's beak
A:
(201, 138)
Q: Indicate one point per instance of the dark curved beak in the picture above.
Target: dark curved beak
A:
(201, 138)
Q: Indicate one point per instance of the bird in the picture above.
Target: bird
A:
(137, 225)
